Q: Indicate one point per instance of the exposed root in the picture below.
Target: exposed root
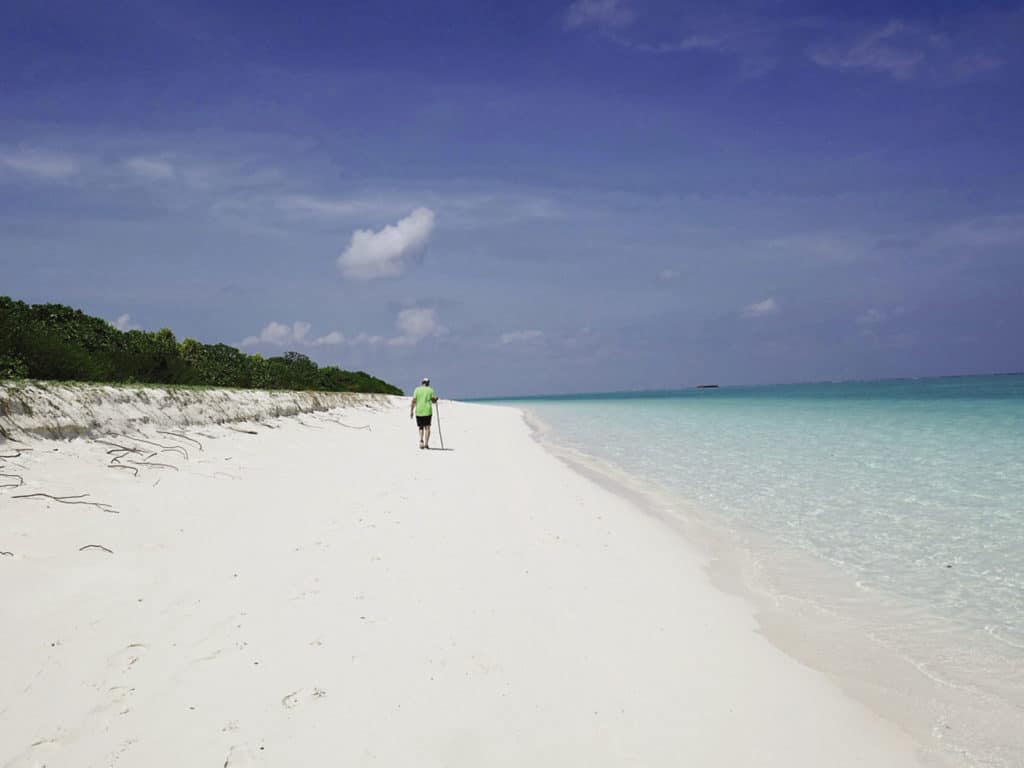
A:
(122, 466)
(243, 431)
(5, 553)
(17, 453)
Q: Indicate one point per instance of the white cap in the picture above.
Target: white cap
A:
(425, 380)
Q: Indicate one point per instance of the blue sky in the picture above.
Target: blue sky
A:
(528, 197)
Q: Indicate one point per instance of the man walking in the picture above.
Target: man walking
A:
(422, 404)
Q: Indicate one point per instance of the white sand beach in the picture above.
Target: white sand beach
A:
(311, 592)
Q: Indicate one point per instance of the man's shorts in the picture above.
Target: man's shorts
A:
(423, 421)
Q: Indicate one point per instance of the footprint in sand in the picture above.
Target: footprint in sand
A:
(127, 657)
(39, 755)
(119, 693)
(241, 756)
(293, 699)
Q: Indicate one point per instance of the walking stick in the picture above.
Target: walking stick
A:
(437, 407)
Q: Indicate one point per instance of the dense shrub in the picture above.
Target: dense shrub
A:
(51, 341)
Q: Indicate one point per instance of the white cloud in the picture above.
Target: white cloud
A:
(414, 325)
(604, 14)
(385, 253)
(296, 334)
(761, 308)
(334, 337)
(49, 166)
(124, 323)
(150, 168)
(513, 337)
(668, 274)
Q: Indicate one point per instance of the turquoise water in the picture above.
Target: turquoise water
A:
(893, 481)
(907, 489)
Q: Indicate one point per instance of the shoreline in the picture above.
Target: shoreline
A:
(307, 592)
(771, 576)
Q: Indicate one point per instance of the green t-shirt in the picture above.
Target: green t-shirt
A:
(423, 395)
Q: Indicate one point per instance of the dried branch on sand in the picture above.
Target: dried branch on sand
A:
(154, 464)
(122, 466)
(182, 436)
(162, 447)
(19, 478)
(17, 453)
(69, 500)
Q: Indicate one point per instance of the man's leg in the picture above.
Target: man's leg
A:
(426, 439)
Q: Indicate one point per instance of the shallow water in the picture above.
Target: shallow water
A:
(909, 493)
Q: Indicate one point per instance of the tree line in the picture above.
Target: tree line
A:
(52, 341)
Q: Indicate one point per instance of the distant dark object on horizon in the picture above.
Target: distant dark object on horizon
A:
(707, 386)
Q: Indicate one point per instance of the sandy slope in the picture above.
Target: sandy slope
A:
(320, 595)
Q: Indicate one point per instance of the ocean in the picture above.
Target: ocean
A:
(888, 514)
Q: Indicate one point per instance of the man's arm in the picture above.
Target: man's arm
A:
(412, 407)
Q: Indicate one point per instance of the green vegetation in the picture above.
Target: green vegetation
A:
(51, 341)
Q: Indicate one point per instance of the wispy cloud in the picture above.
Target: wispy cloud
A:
(821, 247)
(973, 64)
(461, 208)
(152, 168)
(668, 274)
(984, 232)
(870, 317)
(899, 49)
(761, 308)
(297, 334)
(387, 252)
(40, 164)
(603, 14)
(325, 207)
(688, 43)
(516, 337)
(895, 49)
